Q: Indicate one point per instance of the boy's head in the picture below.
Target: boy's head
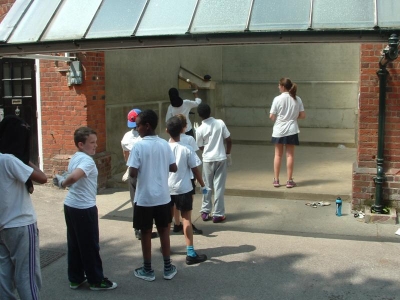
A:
(15, 137)
(183, 120)
(174, 98)
(85, 139)
(174, 126)
(204, 110)
(146, 122)
(132, 117)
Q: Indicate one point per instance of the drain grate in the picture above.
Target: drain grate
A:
(49, 256)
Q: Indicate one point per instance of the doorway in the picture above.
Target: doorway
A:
(18, 96)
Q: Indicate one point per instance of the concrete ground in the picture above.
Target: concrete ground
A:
(268, 248)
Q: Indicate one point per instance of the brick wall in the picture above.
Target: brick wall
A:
(364, 169)
(5, 6)
(65, 108)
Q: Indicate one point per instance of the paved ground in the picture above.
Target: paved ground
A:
(268, 248)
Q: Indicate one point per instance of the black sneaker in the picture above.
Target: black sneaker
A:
(104, 285)
(196, 231)
(178, 228)
(196, 260)
(154, 235)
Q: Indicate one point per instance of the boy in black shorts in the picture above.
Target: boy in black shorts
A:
(180, 185)
(150, 161)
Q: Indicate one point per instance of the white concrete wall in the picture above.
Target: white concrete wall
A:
(247, 78)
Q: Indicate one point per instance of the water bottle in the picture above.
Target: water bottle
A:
(338, 206)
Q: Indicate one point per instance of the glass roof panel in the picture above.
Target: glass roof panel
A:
(166, 17)
(278, 14)
(343, 14)
(12, 18)
(71, 20)
(388, 13)
(34, 21)
(116, 18)
(221, 16)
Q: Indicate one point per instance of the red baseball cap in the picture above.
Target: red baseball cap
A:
(132, 117)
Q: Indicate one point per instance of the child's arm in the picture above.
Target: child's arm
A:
(72, 178)
(173, 168)
(37, 174)
(197, 175)
(133, 172)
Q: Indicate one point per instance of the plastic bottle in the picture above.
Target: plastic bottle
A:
(338, 206)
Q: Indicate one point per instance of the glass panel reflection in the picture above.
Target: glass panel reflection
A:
(6, 71)
(7, 88)
(17, 70)
(71, 20)
(27, 88)
(278, 14)
(12, 18)
(116, 18)
(34, 21)
(17, 88)
(343, 14)
(164, 17)
(27, 71)
(221, 16)
(388, 13)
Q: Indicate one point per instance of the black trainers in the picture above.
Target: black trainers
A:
(104, 285)
(196, 260)
(177, 228)
(196, 231)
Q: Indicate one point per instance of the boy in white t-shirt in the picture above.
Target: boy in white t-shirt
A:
(186, 140)
(81, 215)
(210, 137)
(150, 161)
(180, 185)
(127, 143)
(19, 236)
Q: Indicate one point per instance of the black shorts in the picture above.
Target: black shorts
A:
(286, 140)
(144, 216)
(183, 202)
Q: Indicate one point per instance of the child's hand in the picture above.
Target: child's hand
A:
(229, 160)
(58, 180)
(205, 190)
(126, 175)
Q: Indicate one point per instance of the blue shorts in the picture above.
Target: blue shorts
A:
(286, 140)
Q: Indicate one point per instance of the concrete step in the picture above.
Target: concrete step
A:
(307, 136)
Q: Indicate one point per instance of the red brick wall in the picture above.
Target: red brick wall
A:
(65, 108)
(365, 169)
(5, 6)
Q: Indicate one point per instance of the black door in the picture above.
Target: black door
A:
(18, 95)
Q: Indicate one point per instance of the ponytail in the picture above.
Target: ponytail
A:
(289, 86)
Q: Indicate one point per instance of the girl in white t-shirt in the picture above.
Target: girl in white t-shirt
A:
(286, 109)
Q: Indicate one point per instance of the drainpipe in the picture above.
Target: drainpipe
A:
(389, 54)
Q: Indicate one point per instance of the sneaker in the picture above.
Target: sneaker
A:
(104, 285)
(218, 219)
(290, 183)
(205, 216)
(169, 274)
(196, 231)
(145, 275)
(276, 183)
(154, 235)
(196, 260)
(178, 228)
(75, 285)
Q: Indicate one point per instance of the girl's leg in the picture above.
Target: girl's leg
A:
(289, 161)
(277, 160)
(187, 227)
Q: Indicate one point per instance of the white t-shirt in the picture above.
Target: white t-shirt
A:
(179, 182)
(129, 140)
(152, 156)
(287, 112)
(188, 140)
(16, 208)
(184, 109)
(211, 135)
(82, 194)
